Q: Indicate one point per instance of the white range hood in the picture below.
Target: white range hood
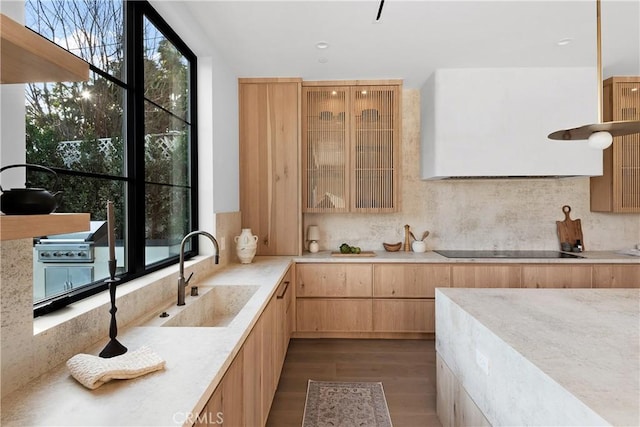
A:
(494, 122)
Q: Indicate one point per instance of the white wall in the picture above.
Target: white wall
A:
(12, 111)
(217, 116)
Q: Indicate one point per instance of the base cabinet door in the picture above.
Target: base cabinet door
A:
(232, 391)
(269, 354)
(454, 406)
(556, 276)
(334, 315)
(225, 406)
(486, 276)
(212, 414)
(403, 315)
(252, 377)
(333, 280)
(409, 280)
(616, 276)
(283, 300)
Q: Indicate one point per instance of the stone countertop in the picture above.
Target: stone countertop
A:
(554, 356)
(590, 257)
(196, 359)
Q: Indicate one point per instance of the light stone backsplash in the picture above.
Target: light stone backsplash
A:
(30, 347)
(519, 213)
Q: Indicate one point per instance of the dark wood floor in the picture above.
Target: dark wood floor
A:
(407, 369)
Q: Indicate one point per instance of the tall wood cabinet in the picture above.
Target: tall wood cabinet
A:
(618, 189)
(269, 163)
(350, 146)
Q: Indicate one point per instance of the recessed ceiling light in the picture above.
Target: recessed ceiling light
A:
(322, 45)
(564, 42)
(323, 60)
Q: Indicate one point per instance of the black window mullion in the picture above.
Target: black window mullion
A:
(193, 118)
(135, 142)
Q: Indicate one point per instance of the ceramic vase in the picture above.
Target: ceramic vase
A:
(246, 244)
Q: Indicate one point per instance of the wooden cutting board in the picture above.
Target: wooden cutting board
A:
(361, 254)
(570, 230)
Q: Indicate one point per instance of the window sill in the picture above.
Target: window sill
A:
(134, 299)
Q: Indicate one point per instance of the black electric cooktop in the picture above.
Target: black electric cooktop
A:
(505, 254)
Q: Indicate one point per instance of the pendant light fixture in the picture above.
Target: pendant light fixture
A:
(599, 135)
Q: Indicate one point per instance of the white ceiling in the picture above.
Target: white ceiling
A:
(278, 38)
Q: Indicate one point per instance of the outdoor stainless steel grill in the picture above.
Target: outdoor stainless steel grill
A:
(66, 261)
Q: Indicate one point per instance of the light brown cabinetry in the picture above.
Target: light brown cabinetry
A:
(556, 276)
(486, 276)
(28, 57)
(404, 296)
(245, 393)
(225, 406)
(284, 324)
(404, 315)
(618, 189)
(409, 280)
(334, 315)
(367, 300)
(454, 406)
(211, 414)
(616, 276)
(252, 377)
(269, 151)
(397, 300)
(350, 146)
(269, 357)
(333, 297)
(333, 280)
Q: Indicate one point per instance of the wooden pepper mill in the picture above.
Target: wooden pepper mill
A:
(407, 240)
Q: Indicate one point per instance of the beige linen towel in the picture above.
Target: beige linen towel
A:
(93, 371)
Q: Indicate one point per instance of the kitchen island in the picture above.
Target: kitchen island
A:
(540, 357)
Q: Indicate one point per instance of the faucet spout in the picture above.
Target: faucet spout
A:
(182, 282)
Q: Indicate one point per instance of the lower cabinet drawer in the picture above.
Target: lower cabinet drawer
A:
(334, 315)
(404, 315)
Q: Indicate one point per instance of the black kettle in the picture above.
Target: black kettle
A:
(29, 201)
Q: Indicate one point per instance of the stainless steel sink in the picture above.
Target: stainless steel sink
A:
(215, 306)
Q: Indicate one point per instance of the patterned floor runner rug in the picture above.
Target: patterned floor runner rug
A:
(343, 404)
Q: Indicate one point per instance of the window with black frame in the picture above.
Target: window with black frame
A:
(127, 135)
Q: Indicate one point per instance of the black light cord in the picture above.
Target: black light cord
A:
(380, 10)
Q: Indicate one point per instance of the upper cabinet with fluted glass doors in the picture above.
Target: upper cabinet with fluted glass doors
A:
(351, 146)
(618, 189)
